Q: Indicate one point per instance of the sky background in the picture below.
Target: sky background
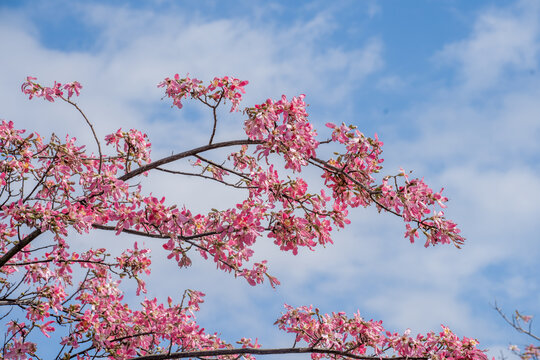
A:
(451, 87)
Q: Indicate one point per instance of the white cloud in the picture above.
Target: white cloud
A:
(137, 48)
(502, 40)
(373, 9)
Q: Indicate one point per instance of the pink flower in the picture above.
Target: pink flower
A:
(74, 87)
(45, 328)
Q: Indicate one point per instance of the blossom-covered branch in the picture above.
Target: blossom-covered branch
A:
(55, 187)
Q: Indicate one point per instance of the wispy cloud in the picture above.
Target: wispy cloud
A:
(502, 41)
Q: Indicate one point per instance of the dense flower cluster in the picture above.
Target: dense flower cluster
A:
(130, 145)
(284, 128)
(413, 200)
(356, 336)
(55, 186)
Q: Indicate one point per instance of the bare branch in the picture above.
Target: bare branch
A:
(15, 302)
(176, 172)
(516, 325)
(239, 174)
(185, 154)
(214, 112)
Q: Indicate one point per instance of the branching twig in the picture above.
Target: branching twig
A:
(187, 239)
(214, 112)
(514, 324)
(91, 128)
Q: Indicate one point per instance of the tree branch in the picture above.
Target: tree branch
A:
(214, 107)
(19, 246)
(158, 236)
(372, 193)
(305, 350)
(188, 239)
(176, 172)
(13, 302)
(184, 154)
(516, 325)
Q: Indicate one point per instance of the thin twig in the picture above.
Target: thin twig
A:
(91, 128)
(201, 176)
(513, 324)
(214, 113)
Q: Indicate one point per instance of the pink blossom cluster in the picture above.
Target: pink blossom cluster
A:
(282, 127)
(18, 347)
(353, 184)
(56, 187)
(219, 89)
(356, 336)
(228, 88)
(110, 320)
(178, 88)
(33, 89)
(414, 200)
(351, 173)
(258, 273)
(285, 129)
(132, 144)
(297, 218)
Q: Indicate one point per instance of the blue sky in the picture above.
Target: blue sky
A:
(451, 87)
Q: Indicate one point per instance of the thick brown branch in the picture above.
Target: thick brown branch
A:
(252, 351)
(15, 302)
(19, 246)
(185, 154)
(158, 236)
